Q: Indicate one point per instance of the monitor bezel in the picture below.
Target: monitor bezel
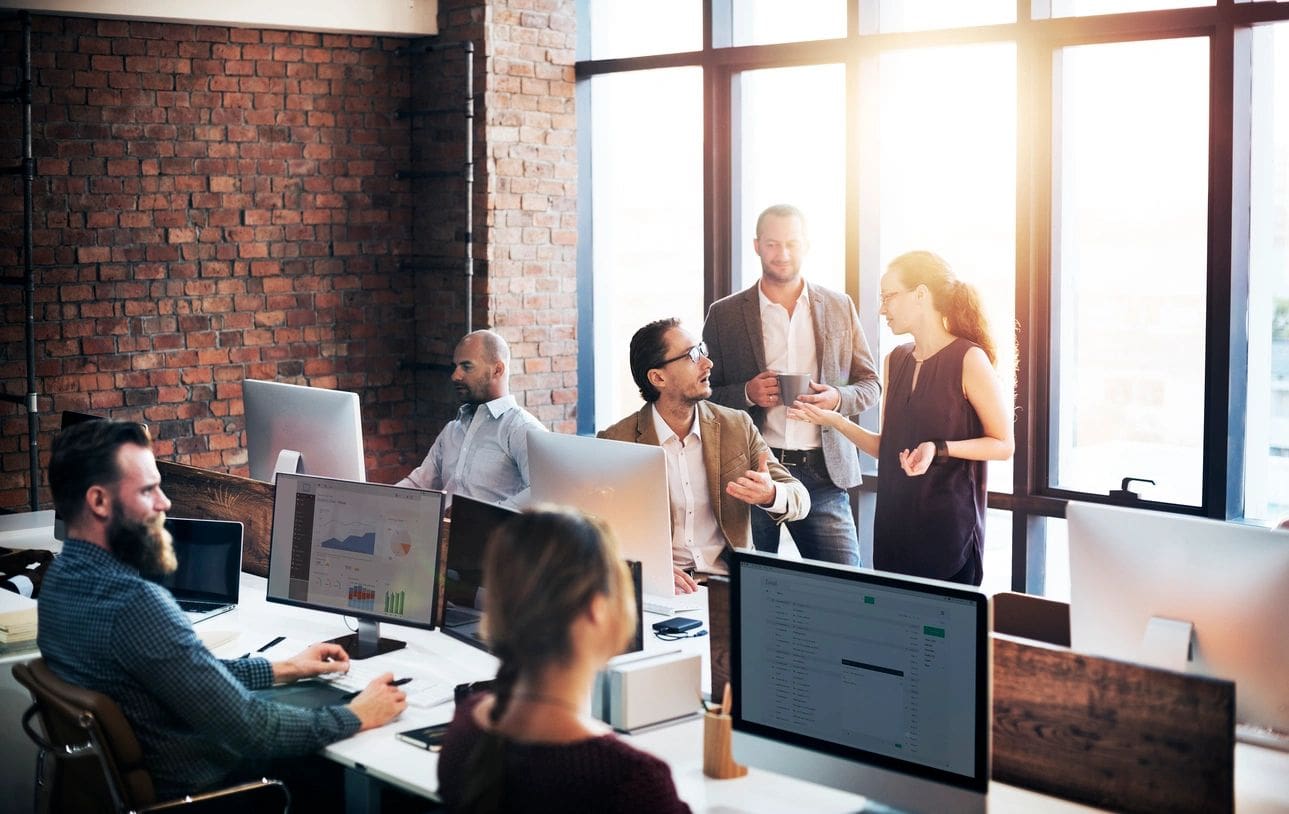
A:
(352, 612)
(979, 782)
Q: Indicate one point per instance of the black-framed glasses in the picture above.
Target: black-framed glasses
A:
(695, 353)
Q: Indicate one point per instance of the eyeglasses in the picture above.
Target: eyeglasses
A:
(695, 353)
(887, 296)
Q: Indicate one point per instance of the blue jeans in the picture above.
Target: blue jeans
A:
(827, 533)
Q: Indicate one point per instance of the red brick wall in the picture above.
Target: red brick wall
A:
(531, 157)
(215, 204)
(211, 204)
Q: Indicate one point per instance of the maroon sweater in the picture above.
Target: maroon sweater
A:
(596, 774)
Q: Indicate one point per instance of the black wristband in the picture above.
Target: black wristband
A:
(941, 449)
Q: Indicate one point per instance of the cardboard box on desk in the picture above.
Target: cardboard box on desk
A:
(631, 694)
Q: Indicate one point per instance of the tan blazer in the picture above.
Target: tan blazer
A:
(731, 446)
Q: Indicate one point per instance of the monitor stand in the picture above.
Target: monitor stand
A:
(288, 461)
(367, 642)
(1167, 643)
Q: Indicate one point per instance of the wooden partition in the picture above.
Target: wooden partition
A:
(718, 625)
(209, 495)
(1031, 617)
(1110, 733)
(1106, 733)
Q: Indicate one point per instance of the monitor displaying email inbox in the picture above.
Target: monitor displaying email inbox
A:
(862, 680)
(360, 549)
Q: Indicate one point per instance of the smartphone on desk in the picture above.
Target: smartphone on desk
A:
(426, 737)
(676, 624)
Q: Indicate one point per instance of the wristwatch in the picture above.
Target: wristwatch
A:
(941, 449)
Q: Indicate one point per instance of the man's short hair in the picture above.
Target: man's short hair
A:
(84, 455)
(780, 211)
(648, 350)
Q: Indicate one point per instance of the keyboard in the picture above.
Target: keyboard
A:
(671, 605)
(427, 688)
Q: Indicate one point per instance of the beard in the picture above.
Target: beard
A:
(143, 544)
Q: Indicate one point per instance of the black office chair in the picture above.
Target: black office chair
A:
(98, 763)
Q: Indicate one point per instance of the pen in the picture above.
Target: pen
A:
(270, 644)
(398, 682)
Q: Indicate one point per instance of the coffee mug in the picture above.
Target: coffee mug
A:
(792, 385)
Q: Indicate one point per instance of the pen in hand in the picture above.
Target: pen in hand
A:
(398, 682)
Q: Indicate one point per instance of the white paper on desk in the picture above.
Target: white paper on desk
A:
(213, 639)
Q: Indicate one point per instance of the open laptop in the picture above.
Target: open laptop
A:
(469, 527)
(210, 562)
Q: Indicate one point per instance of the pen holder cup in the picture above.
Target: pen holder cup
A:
(718, 756)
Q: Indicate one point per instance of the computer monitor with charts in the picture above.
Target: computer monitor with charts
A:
(293, 428)
(862, 680)
(470, 525)
(365, 550)
(623, 484)
(1189, 594)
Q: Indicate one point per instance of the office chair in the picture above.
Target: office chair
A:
(98, 763)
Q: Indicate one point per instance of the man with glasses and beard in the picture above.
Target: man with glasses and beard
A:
(718, 466)
(104, 625)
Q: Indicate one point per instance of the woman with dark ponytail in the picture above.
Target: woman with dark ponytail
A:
(559, 605)
(943, 416)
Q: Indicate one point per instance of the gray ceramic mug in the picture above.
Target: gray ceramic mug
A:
(792, 385)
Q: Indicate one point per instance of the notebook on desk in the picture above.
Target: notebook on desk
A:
(209, 553)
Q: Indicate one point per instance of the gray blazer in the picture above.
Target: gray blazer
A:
(733, 336)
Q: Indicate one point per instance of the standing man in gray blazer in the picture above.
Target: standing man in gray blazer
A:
(783, 325)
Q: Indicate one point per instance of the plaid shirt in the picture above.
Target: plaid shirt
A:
(104, 627)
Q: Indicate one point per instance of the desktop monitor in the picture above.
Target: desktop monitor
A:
(861, 680)
(470, 525)
(1185, 593)
(365, 550)
(623, 484)
(293, 428)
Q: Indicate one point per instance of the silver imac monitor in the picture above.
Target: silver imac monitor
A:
(1189, 594)
(293, 428)
(862, 680)
(365, 550)
(623, 484)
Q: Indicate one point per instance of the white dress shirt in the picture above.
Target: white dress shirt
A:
(482, 454)
(789, 348)
(696, 538)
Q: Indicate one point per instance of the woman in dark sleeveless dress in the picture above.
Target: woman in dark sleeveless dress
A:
(943, 416)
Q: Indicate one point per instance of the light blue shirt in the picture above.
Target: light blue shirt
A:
(482, 454)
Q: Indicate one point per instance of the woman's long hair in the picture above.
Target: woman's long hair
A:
(542, 569)
(957, 301)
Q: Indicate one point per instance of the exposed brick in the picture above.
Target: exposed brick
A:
(220, 203)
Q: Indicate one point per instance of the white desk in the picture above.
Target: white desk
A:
(375, 757)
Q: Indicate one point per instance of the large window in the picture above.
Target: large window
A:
(1129, 258)
(646, 172)
(793, 127)
(1266, 492)
(955, 196)
(1112, 175)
